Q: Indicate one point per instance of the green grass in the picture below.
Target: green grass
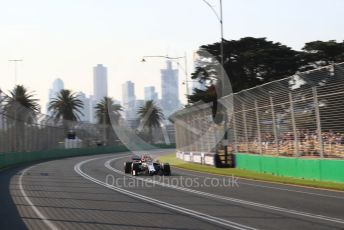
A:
(174, 162)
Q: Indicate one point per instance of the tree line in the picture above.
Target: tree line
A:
(249, 62)
(21, 107)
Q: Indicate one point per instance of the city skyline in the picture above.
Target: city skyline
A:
(168, 100)
(51, 47)
(104, 73)
(90, 100)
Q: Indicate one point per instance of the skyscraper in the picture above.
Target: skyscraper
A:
(86, 110)
(150, 94)
(57, 86)
(99, 82)
(169, 90)
(138, 105)
(128, 99)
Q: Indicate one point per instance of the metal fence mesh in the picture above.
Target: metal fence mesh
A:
(301, 115)
(23, 131)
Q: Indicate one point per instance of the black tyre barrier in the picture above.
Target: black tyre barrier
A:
(219, 163)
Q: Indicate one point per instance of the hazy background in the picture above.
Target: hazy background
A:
(66, 39)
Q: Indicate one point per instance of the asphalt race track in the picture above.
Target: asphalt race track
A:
(93, 193)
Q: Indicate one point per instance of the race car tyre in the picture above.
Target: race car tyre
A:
(127, 167)
(160, 172)
(135, 169)
(146, 172)
(167, 170)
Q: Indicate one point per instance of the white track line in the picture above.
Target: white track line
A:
(40, 215)
(189, 212)
(187, 172)
(50, 224)
(270, 207)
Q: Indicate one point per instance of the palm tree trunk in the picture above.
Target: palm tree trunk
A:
(66, 127)
(104, 129)
(151, 135)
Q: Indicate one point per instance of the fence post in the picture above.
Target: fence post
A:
(274, 127)
(200, 127)
(209, 135)
(293, 122)
(189, 149)
(180, 135)
(196, 127)
(182, 132)
(317, 114)
(245, 126)
(177, 134)
(206, 144)
(235, 133)
(185, 134)
(258, 127)
(189, 135)
(193, 123)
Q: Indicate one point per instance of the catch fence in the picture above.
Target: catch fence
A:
(21, 130)
(301, 115)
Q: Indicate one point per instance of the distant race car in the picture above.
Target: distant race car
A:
(146, 165)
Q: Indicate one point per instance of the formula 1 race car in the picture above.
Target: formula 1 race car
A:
(145, 165)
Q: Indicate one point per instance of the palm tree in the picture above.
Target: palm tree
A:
(150, 116)
(106, 107)
(105, 110)
(21, 108)
(21, 104)
(66, 106)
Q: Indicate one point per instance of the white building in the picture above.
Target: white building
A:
(57, 86)
(100, 82)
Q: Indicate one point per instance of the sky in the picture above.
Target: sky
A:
(66, 38)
